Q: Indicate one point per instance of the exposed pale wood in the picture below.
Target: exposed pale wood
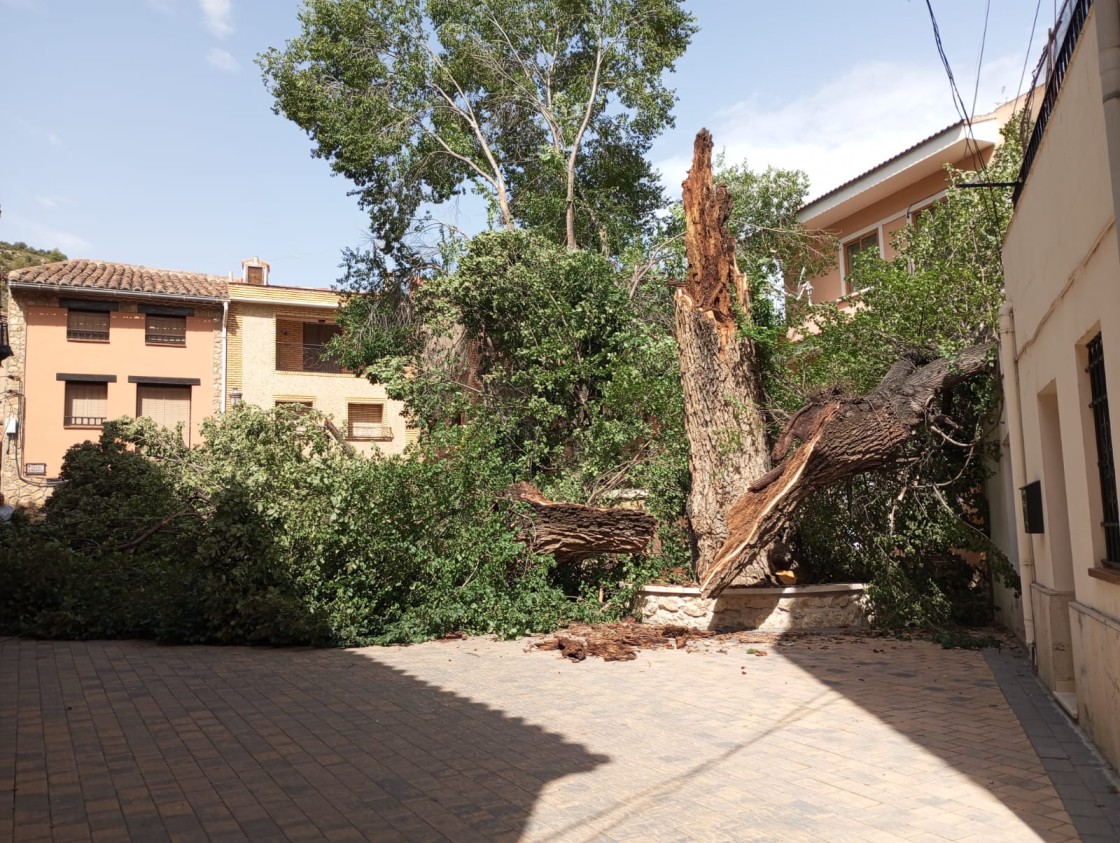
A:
(840, 438)
(571, 532)
(723, 422)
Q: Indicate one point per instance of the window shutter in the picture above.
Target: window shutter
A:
(365, 421)
(167, 406)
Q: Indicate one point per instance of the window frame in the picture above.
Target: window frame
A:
(89, 422)
(93, 335)
(168, 340)
(384, 431)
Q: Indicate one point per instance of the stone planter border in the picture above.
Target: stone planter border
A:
(797, 608)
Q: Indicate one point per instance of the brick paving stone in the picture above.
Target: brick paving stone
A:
(823, 739)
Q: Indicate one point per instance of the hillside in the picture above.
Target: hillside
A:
(19, 255)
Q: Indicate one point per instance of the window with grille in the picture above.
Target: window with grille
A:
(85, 404)
(366, 421)
(87, 325)
(166, 330)
(1106, 462)
(301, 346)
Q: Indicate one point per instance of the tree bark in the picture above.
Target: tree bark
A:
(571, 532)
(840, 438)
(723, 421)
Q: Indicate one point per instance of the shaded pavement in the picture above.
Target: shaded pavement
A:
(818, 739)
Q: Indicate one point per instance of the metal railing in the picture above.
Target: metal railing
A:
(75, 334)
(361, 432)
(83, 421)
(304, 357)
(1106, 462)
(1056, 63)
(165, 339)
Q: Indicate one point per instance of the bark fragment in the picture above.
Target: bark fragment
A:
(571, 531)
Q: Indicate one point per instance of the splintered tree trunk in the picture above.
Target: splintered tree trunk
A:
(723, 422)
(840, 438)
(571, 531)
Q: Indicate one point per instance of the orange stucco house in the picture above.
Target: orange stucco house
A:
(863, 214)
(92, 341)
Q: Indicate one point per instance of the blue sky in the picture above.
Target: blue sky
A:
(139, 131)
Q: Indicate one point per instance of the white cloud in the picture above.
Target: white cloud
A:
(51, 202)
(218, 16)
(848, 125)
(38, 132)
(44, 237)
(222, 60)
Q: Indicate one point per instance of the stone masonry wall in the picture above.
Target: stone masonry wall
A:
(807, 607)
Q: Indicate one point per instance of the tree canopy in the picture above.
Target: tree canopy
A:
(545, 107)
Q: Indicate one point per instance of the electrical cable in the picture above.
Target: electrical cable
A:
(980, 61)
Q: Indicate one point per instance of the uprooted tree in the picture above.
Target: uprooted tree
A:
(839, 438)
(917, 439)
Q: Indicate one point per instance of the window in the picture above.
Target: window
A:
(87, 325)
(85, 404)
(300, 346)
(867, 243)
(167, 406)
(166, 330)
(1106, 462)
(366, 422)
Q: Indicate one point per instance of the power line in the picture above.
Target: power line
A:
(980, 61)
(1030, 43)
(962, 111)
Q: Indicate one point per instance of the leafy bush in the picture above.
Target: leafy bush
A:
(272, 533)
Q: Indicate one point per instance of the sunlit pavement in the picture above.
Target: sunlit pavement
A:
(819, 739)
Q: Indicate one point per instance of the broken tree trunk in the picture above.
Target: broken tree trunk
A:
(723, 422)
(571, 531)
(840, 438)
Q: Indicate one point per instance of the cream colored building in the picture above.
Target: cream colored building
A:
(1060, 358)
(865, 213)
(275, 338)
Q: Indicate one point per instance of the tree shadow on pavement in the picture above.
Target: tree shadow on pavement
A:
(150, 743)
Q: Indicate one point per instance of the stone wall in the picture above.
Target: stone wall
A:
(795, 608)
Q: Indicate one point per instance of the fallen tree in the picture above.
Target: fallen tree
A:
(839, 437)
(571, 532)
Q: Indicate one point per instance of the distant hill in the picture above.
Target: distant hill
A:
(19, 255)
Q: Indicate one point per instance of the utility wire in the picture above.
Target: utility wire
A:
(962, 112)
(980, 61)
(1030, 43)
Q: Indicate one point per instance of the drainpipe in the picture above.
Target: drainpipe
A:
(1108, 52)
(225, 347)
(1010, 366)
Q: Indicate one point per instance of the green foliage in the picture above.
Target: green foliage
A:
(916, 530)
(271, 533)
(19, 255)
(528, 102)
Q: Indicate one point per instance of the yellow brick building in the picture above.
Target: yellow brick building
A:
(274, 355)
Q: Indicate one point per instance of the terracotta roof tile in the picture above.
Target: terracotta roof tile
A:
(96, 275)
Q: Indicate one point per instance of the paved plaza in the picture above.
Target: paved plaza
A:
(861, 739)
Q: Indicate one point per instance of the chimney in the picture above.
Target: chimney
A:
(254, 271)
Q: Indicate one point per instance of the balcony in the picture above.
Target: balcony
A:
(83, 421)
(88, 336)
(360, 432)
(304, 357)
(1054, 64)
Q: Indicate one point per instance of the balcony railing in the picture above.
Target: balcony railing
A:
(165, 339)
(304, 357)
(83, 421)
(75, 334)
(360, 432)
(1055, 62)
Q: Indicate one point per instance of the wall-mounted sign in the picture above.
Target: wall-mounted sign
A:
(35, 469)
